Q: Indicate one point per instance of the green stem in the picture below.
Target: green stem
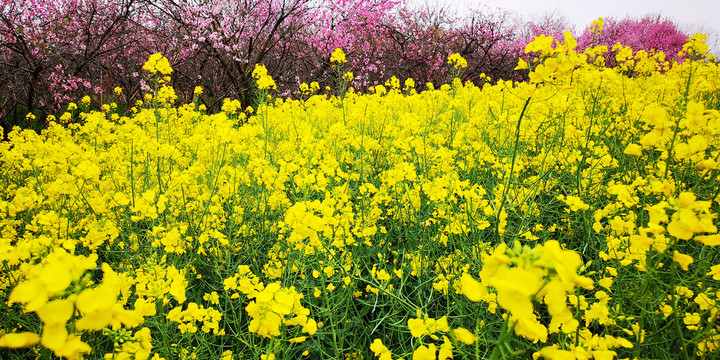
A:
(512, 164)
(504, 334)
(671, 153)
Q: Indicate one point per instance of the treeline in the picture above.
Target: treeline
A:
(55, 52)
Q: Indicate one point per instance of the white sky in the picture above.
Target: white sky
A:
(691, 15)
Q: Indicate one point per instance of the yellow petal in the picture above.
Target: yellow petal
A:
(310, 327)
(464, 335)
(94, 321)
(56, 277)
(683, 260)
(472, 288)
(633, 149)
(708, 240)
(56, 312)
(73, 347)
(19, 340)
(298, 339)
(521, 65)
(417, 327)
(27, 291)
(54, 336)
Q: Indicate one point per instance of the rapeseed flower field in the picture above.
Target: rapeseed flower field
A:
(573, 216)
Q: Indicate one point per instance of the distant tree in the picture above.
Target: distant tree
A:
(650, 33)
(491, 42)
(50, 51)
(548, 23)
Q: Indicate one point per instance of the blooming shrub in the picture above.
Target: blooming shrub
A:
(650, 34)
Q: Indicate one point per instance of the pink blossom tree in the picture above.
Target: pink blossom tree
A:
(54, 51)
(650, 33)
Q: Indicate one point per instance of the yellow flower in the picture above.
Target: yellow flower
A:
(692, 320)
(65, 117)
(259, 71)
(394, 83)
(685, 221)
(597, 25)
(427, 326)
(56, 312)
(73, 348)
(446, 349)
(212, 297)
(166, 94)
(522, 65)
(704, 301)
(409, 83)
(338, 56)
(380, 350)
(708, 240)
(310, 327)
(54, 336)
(380, 90)
(553, 352)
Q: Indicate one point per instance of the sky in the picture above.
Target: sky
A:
(690, 15)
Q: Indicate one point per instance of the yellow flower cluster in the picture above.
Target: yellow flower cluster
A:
(271, 308)
(137, 347)
(429, 326)
(555, 63)
(56, 290)
(546, 273)
(157, 63)
(156, 281)
(166, 95)
(264, 81)
(231, 107)
(194, 313)
(338, 57)
(306, 89)
(457, 61)
(597, 25)
(273, 305)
